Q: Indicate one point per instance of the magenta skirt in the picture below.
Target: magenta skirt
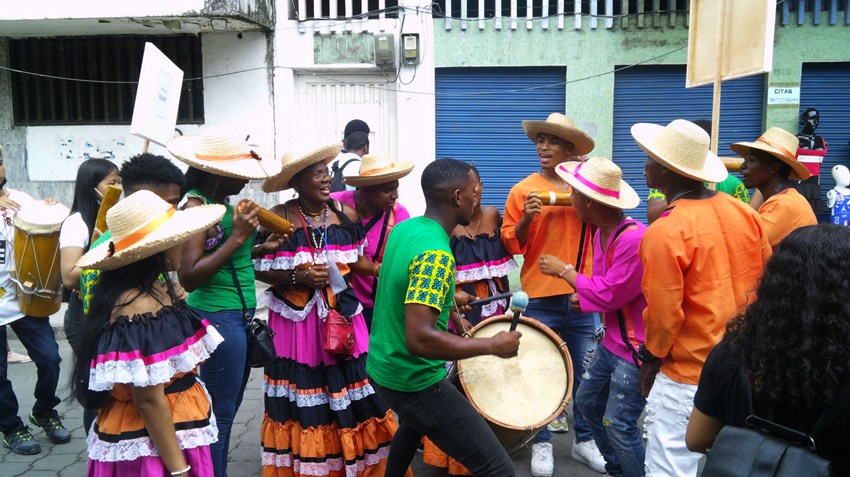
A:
(199, 458)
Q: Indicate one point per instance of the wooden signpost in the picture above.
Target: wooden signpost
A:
(728, 39)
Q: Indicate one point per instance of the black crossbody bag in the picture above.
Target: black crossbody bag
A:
(767, 449)
(260, 336)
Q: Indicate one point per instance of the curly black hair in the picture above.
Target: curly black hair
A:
(149, 170)
(795, 338)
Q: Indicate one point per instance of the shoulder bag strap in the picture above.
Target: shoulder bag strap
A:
(624, 334)
(238, 289)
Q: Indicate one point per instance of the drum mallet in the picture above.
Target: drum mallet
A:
(484, 301)
(519, 302)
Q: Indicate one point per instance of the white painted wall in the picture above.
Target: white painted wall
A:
(243, 102)
(411, 123)
(54, 153)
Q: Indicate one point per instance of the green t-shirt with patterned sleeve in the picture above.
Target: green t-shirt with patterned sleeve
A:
(418, 268)
(732, 186)
(89, 278)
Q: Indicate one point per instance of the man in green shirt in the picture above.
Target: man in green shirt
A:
(409, 344)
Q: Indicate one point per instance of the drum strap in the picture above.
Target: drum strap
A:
(625, 335)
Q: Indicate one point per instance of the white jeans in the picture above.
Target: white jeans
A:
(668, 409)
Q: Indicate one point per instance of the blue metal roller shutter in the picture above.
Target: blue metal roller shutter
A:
(487, 128)
(826, 87)
(657, 94)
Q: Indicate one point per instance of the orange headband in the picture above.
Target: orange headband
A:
(233, 157)
(775, 146)
(372, 172)
(138, 235)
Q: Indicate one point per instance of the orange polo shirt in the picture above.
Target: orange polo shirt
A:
(785, 212)
(702, 260)
(556, 231)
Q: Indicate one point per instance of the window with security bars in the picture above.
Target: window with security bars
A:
(115, 60)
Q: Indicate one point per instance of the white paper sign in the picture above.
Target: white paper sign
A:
(157, 98)
(783, 95)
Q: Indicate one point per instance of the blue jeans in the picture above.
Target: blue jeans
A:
(443, 414)
(37, 336)
(610, 400)
(225, 374)
(577, 330)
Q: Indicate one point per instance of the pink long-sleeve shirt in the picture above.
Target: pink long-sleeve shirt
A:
(616, 286)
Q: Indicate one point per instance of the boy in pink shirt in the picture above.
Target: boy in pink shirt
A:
(609, 394)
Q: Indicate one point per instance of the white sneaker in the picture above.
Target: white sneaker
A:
(587, 452)
(542, 461)
(15, 358)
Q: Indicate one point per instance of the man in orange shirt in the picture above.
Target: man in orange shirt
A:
(770, 166)
(702, 260)
(532, 230)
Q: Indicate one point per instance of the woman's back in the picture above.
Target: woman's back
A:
(722, 395)
(795, 342)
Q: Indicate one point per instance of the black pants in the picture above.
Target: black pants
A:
(443, 414)
(74, 323)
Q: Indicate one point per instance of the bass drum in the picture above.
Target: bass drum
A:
(520, 395)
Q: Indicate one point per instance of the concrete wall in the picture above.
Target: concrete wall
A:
(587, 53)
(43, 160)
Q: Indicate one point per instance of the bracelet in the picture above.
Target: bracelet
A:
(567, 268)
(292, 278)
(254, 250)
(181, 472)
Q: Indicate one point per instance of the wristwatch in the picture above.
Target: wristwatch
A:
(645, 356)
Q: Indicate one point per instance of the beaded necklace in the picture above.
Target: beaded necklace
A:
(316, 245)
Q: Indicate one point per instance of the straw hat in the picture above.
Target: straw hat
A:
(376, 170)
(600, 180)
(682, 147)
(143, 225)
(292, 164)
(224, 153)
(561, 126)
(780, 144)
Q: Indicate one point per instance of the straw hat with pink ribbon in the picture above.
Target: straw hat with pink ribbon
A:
(375, 169)
(780, 144)
(143, 225)
(223, 152)
(600, 180)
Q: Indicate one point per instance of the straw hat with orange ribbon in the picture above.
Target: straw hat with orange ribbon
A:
(600, 180)
(562, 126)
(682, 147)
(780, 144)
(143, 225)
(222, 152)
(292, 164)
(376, 170)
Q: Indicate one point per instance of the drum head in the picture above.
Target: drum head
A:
(39, 218)
(523, 392)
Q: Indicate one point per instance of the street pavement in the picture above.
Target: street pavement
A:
(69, 460)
